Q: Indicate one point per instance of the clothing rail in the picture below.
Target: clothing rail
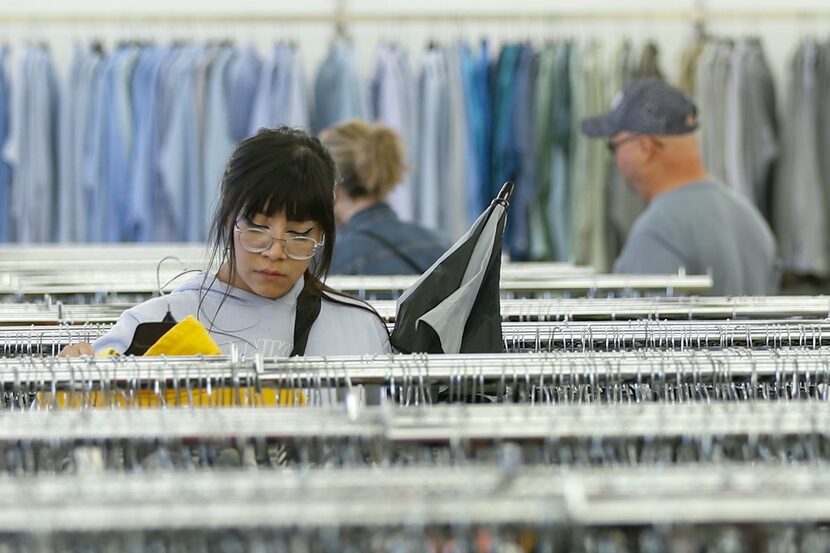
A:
(170, 265)
(119, 441)
(376, 498)
(737, 372)
(125, 283)
(432, 425)
(526, 336)
(266, 17)
(810, 308)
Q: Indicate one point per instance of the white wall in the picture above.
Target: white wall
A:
(780, 36)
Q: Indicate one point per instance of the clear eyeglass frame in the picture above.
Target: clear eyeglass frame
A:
(299, 248)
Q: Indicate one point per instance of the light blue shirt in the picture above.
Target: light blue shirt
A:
(217, 142)
(392, 102)
(141, 208)
(118, 136)
(242, 77)
(338, 92)
(434, 131)
(5, 169)
(179, 156)
(31, 150)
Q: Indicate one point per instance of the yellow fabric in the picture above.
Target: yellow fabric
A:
(187, 337)
(197, 398)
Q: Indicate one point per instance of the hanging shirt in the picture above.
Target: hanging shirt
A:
(432, 169)
(392, 101)
(76, 205)
(165, 193)
(281, 97)
(589, 161)
(31, 149)
(474, 71)
(242, 77)
(254, 323)
(118, 137)
(558, 209)
(5, 169)
(338, 92)
(144, 179)
(525, 177)
(540, 244)
(454, 221)
(751, 125)
(179, 155)
(704, 227)
(801, 194)
(217, 142)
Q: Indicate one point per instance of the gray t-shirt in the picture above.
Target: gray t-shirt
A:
(704, 227)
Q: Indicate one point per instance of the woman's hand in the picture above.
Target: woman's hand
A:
(76, 350)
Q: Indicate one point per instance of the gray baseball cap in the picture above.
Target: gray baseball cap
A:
(646, 106)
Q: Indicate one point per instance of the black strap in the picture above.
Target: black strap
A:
(308, 308)
(397, 251)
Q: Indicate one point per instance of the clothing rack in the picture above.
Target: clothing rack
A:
(526, 336)
(483, 16)
(437, 424)
(361, 498)
(98, 284)
(171, 258)
(709, 308)
(569, 436)
(737, 374)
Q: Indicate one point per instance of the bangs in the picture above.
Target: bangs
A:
(301, 190)
(296, 199)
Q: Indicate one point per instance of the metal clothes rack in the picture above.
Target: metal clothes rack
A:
(536, 337)
(687, 376)
(108, 283)
(43, 271)
(426, 425)
(483, 16)
(653, 435)
(690, 308)
(422, 496)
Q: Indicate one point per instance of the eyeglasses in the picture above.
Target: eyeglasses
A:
(257, 240)
(612, 146)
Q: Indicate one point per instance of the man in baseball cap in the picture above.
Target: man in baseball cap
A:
(692, 220)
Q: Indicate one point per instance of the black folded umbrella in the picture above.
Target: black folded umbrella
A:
(455, 306)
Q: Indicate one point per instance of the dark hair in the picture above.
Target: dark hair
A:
(276, 170)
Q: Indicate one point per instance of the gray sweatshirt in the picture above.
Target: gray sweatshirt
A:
(255, 323)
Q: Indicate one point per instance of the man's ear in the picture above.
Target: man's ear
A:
(648, 147)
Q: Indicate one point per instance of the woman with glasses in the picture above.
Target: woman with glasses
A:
(373, 241)
(272, 240)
